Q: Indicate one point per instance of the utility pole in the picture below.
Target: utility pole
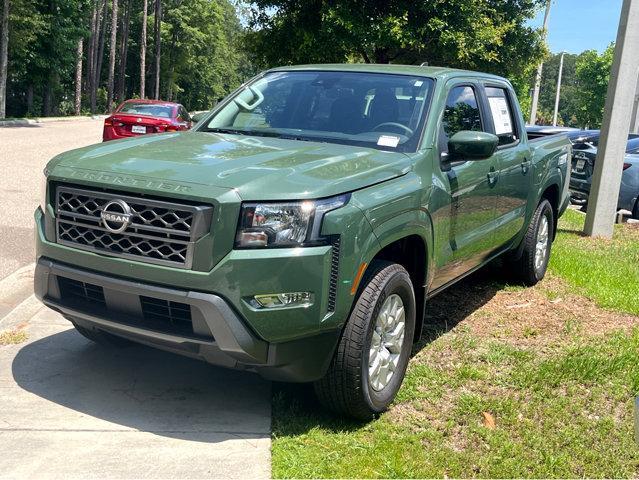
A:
(540, 68)
(604, 193)
(561, 69)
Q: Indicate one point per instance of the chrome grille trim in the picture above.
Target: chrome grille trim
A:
(161, 232)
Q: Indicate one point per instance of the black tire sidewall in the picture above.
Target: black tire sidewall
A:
(545, 211)
(399, 283)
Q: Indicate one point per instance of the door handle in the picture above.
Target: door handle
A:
(525, 166)
(492, 177)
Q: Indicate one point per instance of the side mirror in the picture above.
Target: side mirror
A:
(467, 145)
(199, 116)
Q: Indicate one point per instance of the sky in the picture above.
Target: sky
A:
(578, 25)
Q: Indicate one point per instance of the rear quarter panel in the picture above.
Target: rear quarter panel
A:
(551, 166)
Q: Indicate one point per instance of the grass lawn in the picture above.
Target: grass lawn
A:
(506, 381)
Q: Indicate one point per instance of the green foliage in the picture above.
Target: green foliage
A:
(487, 35)
(568, 107)
(592, 72)
(201, 60)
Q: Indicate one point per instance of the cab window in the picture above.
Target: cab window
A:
(502, 115)
(460, 113)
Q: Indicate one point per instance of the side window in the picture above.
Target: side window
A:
(503, 118)
(460, 113)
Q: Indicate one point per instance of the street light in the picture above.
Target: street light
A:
(561, 69)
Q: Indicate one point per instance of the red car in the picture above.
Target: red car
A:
(139, 117)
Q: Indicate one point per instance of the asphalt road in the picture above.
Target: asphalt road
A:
(24, 151)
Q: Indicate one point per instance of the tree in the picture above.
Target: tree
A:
(124, 50)
(143, 49)
(593, 72)
(77, 103)
(4, 57)
(112, 49)
(487, 35)
(568, 108)
(158, 43)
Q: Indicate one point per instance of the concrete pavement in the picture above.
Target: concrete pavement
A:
(24, 151)
(73, 409)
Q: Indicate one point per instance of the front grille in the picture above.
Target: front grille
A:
(76, 291)
(159, 231)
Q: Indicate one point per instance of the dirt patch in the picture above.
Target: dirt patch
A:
(548, 313)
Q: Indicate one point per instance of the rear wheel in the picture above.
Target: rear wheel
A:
(371, 358)
(101, 337)
(532, 265)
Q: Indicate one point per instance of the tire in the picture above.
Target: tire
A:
(347, 388)
(102, 338)
(529, 269)
(635, 211)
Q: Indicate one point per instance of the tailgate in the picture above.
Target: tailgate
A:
(583, 165)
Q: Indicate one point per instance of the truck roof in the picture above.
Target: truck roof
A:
(443, 73)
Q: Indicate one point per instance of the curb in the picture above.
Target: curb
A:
(17, 122)
(16, 288)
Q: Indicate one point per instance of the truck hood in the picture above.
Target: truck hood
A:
(257, 168)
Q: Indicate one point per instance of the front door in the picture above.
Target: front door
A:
(466, 220)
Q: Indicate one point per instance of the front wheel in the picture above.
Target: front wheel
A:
(371, 359)
(532, 265)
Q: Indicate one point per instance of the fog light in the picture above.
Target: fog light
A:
(291, 299)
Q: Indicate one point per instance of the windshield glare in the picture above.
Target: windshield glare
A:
(384, 111)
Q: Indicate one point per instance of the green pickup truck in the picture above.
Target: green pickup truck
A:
(300, 229)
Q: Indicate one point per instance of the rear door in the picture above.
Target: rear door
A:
(468, 238)
(513, 159)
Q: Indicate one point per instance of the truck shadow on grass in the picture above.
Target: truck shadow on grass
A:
(295, 407)
(136, 388)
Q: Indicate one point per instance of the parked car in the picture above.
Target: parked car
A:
(536, 131)
(583, 163)
(139, 117)
(299, 229)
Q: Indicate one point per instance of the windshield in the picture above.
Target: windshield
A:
(633, 146)
(149, 109)
(382, 111)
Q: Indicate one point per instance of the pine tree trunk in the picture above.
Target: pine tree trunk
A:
(88, 75)
(78, 77)
(112, 49)
(100, 58)
(124, 50)
(158, 40)
(30, 99)
(143, 49)
(4, 57)
(95, 44)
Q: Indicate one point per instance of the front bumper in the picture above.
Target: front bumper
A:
(219, 335)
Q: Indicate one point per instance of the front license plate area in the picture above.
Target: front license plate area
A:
(579, 166)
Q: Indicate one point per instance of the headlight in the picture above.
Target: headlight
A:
(43, 189)
(284, 224)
